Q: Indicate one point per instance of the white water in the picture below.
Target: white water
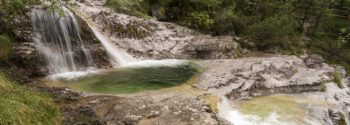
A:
(236, 117)
(69, 76)
(55, 37)
(118, 56)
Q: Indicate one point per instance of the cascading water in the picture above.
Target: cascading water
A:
(56, 36)
(118, 56)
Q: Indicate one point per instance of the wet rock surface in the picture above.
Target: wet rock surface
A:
(26, 62)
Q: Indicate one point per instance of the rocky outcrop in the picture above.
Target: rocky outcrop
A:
(279, 75)
(212, 49)
(25, 62)
(314, 61)
(148, 38)
(155, 108)
(259, 76)
(249, 77)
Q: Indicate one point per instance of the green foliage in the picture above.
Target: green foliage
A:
(337, 79)
(17, 7)
(5, 46)
(200, 20)
(19, 106)
(131, 7)
(273, 31)
(344, 38)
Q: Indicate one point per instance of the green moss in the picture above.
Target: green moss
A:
(25, 107)
(296, 71)
(337, 79)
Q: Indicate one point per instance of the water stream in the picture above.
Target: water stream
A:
(271, 110)
(57, 36)
(118, 55)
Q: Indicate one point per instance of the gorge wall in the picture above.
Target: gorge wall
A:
(25, 61)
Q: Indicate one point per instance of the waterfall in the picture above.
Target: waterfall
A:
(118, 56)
(57, 38)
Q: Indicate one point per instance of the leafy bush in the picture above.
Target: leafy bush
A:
(17, 7)
(131, 7)
(200, 20)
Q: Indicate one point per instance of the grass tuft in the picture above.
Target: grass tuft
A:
(343, 121)
(337, 79)
(324, 86)
(19, 106)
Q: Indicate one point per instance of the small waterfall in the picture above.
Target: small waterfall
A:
(56, 37)
(118, 56)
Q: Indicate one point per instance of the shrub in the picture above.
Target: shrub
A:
(200, 20)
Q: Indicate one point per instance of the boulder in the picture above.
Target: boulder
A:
(314, 61)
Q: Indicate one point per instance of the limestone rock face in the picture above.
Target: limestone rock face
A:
(249, 77)
(314, 61)
(152, 39)
(280, 75)
(245, 78)
(25, 61)
(156, 108)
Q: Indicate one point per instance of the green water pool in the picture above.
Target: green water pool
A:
(132, 80)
